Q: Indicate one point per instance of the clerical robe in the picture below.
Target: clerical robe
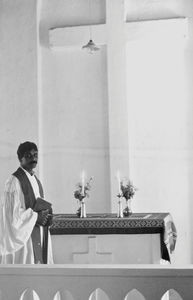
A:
(16, 226)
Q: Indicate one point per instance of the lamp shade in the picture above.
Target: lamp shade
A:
(90, 46)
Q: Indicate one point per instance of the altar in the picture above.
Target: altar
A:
(142, 238)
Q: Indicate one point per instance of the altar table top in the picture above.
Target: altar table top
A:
(137, 223)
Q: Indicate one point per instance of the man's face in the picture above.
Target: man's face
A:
(29, 160)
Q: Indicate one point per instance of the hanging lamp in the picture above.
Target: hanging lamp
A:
(90, 47)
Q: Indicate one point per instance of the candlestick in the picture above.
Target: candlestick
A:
(83, 182)
(120, 210)
(82, 209)
(119, 182)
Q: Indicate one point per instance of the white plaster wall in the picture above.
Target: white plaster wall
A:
(160, 121)
(18, 81)
(74, 112)
(75, 134)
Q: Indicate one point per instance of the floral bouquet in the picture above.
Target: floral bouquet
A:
(128, 191)
(82, 191)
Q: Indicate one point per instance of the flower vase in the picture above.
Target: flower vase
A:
(127, 211)
(79, 208)
(120, 209)
(82, 209)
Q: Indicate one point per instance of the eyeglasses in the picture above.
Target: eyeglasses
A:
(30, 155)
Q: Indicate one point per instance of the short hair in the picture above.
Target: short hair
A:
(25, 147)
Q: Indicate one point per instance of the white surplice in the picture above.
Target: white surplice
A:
(16, 225)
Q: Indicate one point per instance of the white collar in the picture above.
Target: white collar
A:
(27, 173)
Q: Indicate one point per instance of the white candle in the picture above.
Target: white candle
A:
(119, 182)
(83, 182)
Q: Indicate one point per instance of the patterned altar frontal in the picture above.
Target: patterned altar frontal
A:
(137, 223)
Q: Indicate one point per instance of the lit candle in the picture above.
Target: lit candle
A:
(83, 182)
(119, 183)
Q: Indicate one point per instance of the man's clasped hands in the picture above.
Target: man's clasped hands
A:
(44, 211)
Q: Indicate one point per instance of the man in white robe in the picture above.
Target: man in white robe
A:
(24, 214)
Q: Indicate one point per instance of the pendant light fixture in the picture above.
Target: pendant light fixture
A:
(90, 46)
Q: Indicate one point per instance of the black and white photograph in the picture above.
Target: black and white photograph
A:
(96, 149)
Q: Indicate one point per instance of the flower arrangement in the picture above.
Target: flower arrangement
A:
(82, 190)
(127, 189)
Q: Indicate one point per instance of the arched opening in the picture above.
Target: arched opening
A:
(134, 295)
(171, 295)
(99, 294)
(29, 294)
